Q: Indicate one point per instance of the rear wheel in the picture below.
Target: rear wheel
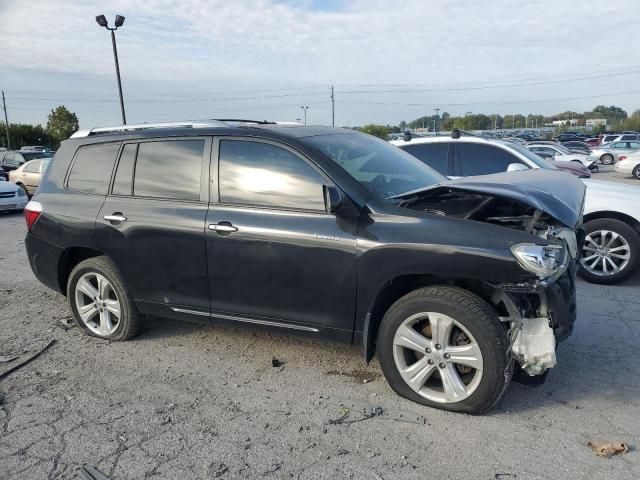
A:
(610, 252)
(100, 302)
(606, 159)
(444, 347)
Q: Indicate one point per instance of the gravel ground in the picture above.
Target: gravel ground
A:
(189, 401)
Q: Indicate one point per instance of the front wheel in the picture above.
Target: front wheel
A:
(445, 347)
(606, 159)
(610, 251)
(636, 172)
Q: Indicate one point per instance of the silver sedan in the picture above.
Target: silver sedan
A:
(609, 152)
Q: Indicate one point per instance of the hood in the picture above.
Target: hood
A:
(573, 167)
(559, 195)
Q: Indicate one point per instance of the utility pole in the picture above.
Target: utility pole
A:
(437, 119)
(6, 120)
(333, 108)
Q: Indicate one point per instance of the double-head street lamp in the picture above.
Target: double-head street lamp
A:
(304, 109)
(102, 21)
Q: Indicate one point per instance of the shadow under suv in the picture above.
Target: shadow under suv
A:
(318, 231)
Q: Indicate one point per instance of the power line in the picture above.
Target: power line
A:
(198, 100)
(515, 102)
(487, 87)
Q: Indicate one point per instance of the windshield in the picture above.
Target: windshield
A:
(537, 159)
(381, 168)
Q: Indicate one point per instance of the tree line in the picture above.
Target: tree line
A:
(61, 124)
(616, 117)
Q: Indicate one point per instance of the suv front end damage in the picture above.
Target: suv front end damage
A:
(541, 310)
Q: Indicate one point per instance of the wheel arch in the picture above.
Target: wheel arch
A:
(607, 214)
(69, 258)
(400, 285)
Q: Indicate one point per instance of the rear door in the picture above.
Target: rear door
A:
(276, 257)
(152, 224)
(438, 155)
(482, 159)
(30, 177)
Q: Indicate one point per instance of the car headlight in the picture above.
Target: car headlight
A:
(542, 260)
(21, 192)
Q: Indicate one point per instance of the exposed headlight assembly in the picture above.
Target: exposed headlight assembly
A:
(542, 260)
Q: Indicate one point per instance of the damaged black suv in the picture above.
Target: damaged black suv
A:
(317, 231)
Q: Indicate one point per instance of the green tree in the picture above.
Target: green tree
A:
(22, 134)
(379, 131)
(61, 124)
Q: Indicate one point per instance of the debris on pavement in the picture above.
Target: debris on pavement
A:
(67, 323)
(89, 472)
(346, 408)
(606, 449)
(21, 363)
(7, 358)
(275, 363)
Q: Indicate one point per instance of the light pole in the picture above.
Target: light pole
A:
(304, 109)
(102, 21)
(436, 120)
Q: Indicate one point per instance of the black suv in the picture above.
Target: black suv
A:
(319, 231)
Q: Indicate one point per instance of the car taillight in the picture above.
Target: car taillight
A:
(622, 157)
(32, 212)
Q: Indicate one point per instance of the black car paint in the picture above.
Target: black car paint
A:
(318, 274)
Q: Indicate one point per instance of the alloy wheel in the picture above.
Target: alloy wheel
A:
(607, 159)
(605, 253)
(97, 304)
(437, 357)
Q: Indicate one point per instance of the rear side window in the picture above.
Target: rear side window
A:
(169, 169)
(255, 173)
(436, 155)
(477, 159)
(123, 183)
(91, 169)
(32, 167)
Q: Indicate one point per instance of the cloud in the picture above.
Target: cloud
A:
(212, 46)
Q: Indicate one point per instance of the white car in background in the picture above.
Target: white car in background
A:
(562, 153)
(12, 197)
(629, 164)
(611, 218)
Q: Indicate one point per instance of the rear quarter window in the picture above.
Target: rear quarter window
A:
(91, 168)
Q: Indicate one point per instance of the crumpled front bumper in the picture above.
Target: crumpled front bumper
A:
(561, 301)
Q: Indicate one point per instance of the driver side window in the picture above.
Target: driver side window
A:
(262, 174)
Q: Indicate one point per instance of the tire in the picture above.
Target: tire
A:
(636, 172)
(607, 159)
(102, 321)
(628, 242)
(23, 188)
(485, 333)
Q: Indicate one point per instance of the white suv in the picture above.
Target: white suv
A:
(611, 249)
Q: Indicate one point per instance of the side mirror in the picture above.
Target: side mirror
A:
(516, 167)
(333, 199)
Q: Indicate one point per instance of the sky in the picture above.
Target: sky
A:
(264, 59)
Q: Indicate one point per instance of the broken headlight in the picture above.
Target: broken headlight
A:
(542, 260)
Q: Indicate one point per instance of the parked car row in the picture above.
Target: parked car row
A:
(25, 167)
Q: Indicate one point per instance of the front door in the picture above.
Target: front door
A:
(152, 225)
(276, 257)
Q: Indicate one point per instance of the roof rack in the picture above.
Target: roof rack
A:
(145, 126)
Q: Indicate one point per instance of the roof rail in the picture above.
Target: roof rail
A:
(242, 120)
(145, 126)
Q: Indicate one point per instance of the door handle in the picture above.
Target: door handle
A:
(223, 227)
(116, 217)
